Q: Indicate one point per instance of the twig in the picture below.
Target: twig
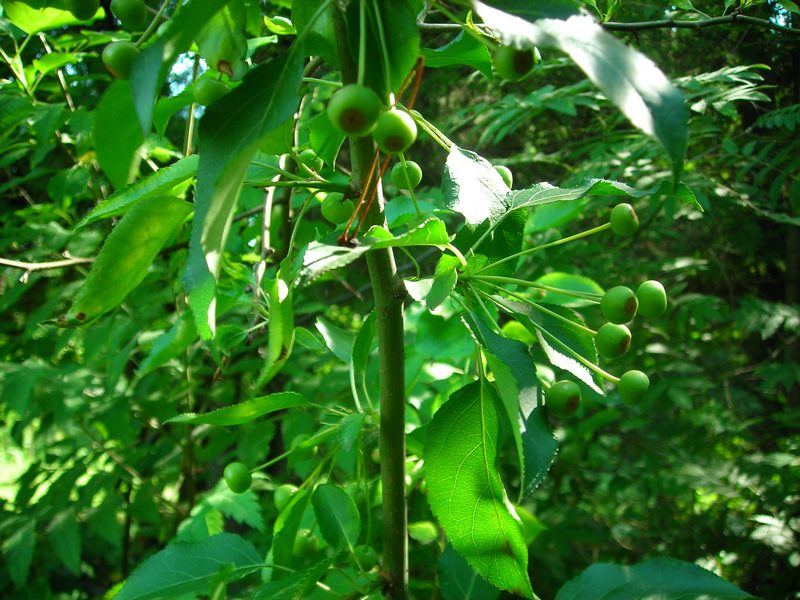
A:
(43, 266)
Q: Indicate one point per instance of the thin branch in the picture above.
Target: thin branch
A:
(55, 264)
(734, 17)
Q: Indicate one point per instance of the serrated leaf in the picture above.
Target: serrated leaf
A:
(244, 412)
(567, 281)
(321, 258)
(625, 76)
(472, 187)
(465, 491)
(295, 586)
(18, 548)
(190, 567)
(459, 581)
(462, 50)
(156, 184)
(664, 578)
(574, 338)
(539, 447)
(230, 132)
(127, 255)
(65, 538)
(170, 344)
(337, 516)
(117, 135)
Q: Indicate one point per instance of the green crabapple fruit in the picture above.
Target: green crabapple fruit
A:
(366, 557)
(306, 544)
(633, 386)
(512, 63)
(283, 493)
(118, 58)
(209, 90)
(505, 174)
(238, 477)
(613, 340)
(619, 304)
(336, 209)
(652, 299)
(354, 109)
(82, 9)
(310, 159)
(394, 131)
(624, 221)
(408, 177)
(563, 398)
(131, 13)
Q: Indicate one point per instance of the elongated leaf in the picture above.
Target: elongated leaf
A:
(565, 334)
(285, 532)
(568, 281)
(189, 568)
(126, 255)
(473, 187)
(662, 578)
(281, 326)
(157, 184)
(295, 586)
(465, 491)
(170, 344)
(117, 136)
(359, 358)
(459, 581)
(18, 548)
(337, 515)
(463, 50)
(65, 538)
(539, 447)
(626, 77)
(230, 132)
(32, 18)
(338, 340)
(321, 258)
(244, 412)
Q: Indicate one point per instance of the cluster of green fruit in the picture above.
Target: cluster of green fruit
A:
(356, 110)
(619, 306)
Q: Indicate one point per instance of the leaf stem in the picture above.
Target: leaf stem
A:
(589, 296)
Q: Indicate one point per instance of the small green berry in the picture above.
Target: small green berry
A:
(207, 91)
(613, 340)
(633, 386)
(394, 131)
(283, 493)
(505, 174)
(238, 477)
(512, 63)
(310, 159)
(118, 57)
(366, 556)
(624, 221)
(306, 544)
(406, 178)
(563, 398)
(83, 10)
(652, 299)
(131, 13)
(619, 304)
(354, 109)
(336, 209)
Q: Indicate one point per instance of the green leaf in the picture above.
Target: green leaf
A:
(567, 281)
(295, 586)
(544, 193)
(230, 133)
(159, 183)
(281, 326)
(117, 136)
(18, 548)
(321, 258)
(337, 516)
(540, 449)
(359, 358)
(472, 187)
(462, 50)
(569, 335)
(126, 255)
(244, 412)
(350, 429)
(190, 567)
(459, 581)
(65, 538)
(285, 531)
(465, 491)
(662, 578)
(339, 341)
(170, 344)
(626, 77)
(33, 17)
(325, 138)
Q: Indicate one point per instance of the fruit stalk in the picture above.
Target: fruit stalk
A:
(388, 292)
